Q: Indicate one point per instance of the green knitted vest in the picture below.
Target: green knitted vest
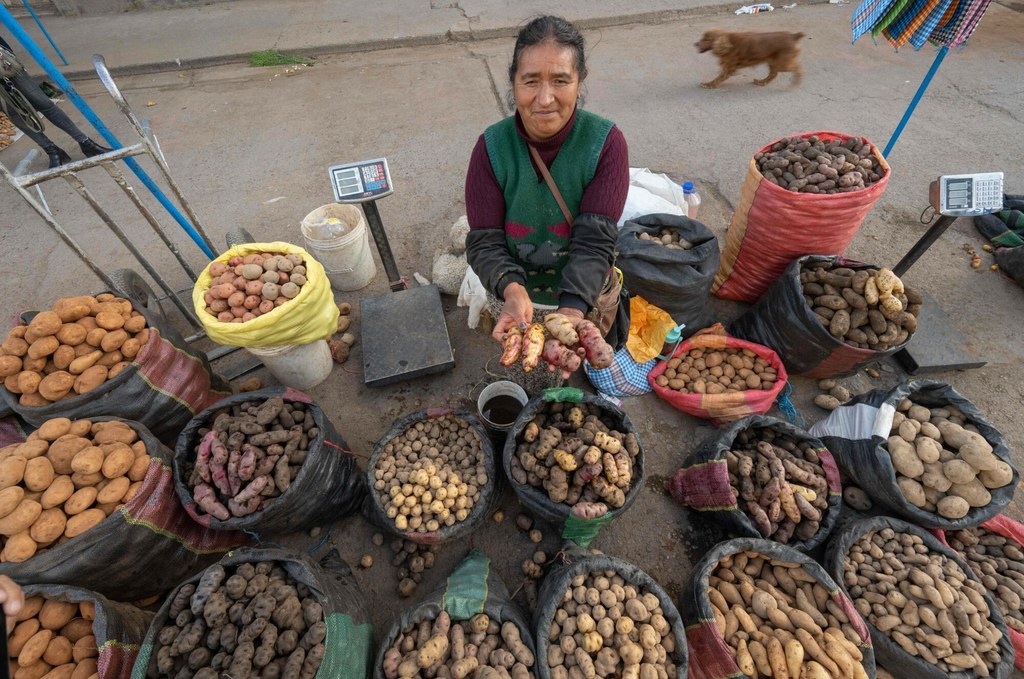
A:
(535, 229)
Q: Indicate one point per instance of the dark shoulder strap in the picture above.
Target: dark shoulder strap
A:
(551, 183)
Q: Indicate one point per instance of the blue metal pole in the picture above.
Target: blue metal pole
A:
(26, 41)
(917, 98)
(43, 29)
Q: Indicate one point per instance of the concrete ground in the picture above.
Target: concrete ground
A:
(250, 148)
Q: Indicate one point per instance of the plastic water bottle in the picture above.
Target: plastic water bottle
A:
(691, 199)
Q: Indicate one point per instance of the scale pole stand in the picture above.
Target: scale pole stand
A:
(380, 237)
(933, 233)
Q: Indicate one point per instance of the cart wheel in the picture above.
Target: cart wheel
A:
(238, 237)
(133, 286)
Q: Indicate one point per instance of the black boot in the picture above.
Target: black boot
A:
(91, 148)
(56, 155)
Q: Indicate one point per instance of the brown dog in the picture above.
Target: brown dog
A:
(740, 50)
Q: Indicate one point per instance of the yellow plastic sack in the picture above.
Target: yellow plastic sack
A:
(311, 316)
(648, 326)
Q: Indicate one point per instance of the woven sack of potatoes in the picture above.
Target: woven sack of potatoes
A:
(772, 224)
(786, 320)
(718, 377)
(91, 503)
(928, 613)
(937, 467)
(276, 475)
(98, 355)
(262, 612)
(471, 606)
(995, 552)
(788, 489)
(601, 616)
(756, 608)
(433, 476)
(72, 632)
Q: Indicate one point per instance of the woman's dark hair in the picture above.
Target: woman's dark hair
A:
(553, 29)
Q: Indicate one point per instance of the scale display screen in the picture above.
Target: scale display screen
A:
(965, 195)
(958, 193)
(362, 181)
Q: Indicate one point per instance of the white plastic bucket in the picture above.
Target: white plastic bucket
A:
(301, 366)
(502, 388)
(347, 257)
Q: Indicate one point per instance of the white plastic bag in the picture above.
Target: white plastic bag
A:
(660, 185)
(473, 295)
(650, 194)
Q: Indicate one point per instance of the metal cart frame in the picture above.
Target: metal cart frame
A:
(126, 281)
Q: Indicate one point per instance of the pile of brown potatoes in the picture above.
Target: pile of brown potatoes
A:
(866, 308)
(605, 627)
(246, 287)
(72, 348)
(65, 479)
(431, 475)
(249, 621)
(781, 621)
(718, 371)
(812, 165)
(477, 648)
(923, 601)
(998, 561)
(943, 465)
(54, 639)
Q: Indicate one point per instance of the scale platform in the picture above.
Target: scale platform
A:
(936, 346)
(404, 336)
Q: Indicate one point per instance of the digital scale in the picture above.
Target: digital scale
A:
(936, 346)
(404, 334)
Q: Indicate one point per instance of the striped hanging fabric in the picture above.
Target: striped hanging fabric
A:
(944, 23)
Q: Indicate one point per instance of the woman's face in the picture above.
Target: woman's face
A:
(546, 87)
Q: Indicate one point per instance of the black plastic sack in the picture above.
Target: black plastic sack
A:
(473, 587)
(856, 433)
(143, 549)
(328, 487)
(490, 494)
(782, 321)
(889, 654)
(678, 281)
(580, 531)
(577, 561)
(703, 482)
(118, 628)
(349, 641)
(711, 657)
(163, 387)
(1011, 262)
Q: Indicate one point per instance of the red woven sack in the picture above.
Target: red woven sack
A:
(730, 406)
(772, 225)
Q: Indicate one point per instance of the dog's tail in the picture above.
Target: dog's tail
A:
(797, 36)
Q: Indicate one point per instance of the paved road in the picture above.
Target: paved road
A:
(250, 147)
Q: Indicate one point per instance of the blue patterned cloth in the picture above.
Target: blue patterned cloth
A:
(625, 377)
(920, 35)
(867, 15)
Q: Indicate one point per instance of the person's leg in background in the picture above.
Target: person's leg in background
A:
(56, 155)
(29, 86)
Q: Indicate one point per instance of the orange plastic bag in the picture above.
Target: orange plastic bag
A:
(648, 326)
